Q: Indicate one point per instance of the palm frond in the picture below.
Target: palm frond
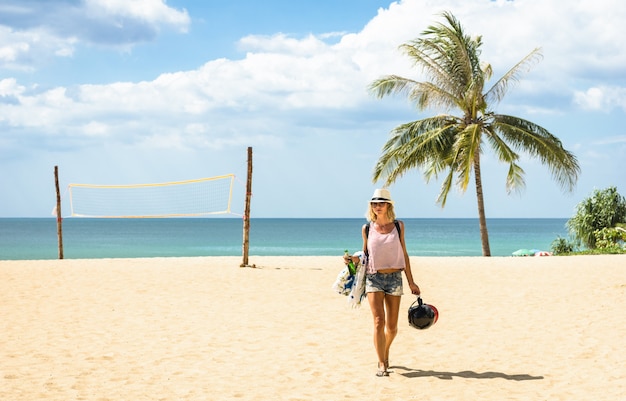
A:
(500, 88)
(426, 95)
(446, 185)
(391, 84)
(434, 71)
(449, 58)
(515, 176)
(412, 145)
(536, 141)
(468, 148)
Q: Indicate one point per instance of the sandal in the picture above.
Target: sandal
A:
(382, 371)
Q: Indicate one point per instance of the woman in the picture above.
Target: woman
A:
(387, 258)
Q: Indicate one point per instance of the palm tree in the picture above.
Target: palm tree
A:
(454, 144)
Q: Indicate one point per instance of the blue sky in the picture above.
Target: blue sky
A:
(124, 92)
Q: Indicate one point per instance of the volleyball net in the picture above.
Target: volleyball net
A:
(199, 197)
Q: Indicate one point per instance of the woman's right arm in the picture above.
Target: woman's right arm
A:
(364, 238)
(356, 259)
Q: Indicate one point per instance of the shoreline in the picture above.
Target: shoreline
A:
(198, 328)
(232, 259)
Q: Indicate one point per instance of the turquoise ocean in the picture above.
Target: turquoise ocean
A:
(36, 238)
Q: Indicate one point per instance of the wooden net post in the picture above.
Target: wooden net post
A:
(58, 209)
(246, 213)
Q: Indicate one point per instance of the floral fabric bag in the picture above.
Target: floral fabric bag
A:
(352, 285)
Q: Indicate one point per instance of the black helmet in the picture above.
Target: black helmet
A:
(422, 316)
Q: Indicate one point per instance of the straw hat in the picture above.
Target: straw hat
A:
(381, 195)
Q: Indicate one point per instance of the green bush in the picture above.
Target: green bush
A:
(561, 246)
(604, 209)
(610, 237)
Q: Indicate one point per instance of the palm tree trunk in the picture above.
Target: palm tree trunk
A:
(482, 220)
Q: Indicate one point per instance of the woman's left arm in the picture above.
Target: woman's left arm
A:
(407, 261)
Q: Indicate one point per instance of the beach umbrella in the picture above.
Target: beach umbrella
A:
(523, 252)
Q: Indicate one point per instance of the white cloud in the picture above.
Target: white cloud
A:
(297, 76)
(578, 41)
(9, 87)
(33, 31)
(154, 12)
(603, 98)
(281, 43)
(612, 140)
(24, 50)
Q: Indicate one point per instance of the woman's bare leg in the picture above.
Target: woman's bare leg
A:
(377, 305)
(392, 304)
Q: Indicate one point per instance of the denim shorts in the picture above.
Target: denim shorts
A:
(390, 283)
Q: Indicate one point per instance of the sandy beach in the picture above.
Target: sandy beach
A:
(530, 328)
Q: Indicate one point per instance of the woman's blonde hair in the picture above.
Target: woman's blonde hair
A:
(371, 216)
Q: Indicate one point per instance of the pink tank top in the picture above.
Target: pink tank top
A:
(385, 251)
